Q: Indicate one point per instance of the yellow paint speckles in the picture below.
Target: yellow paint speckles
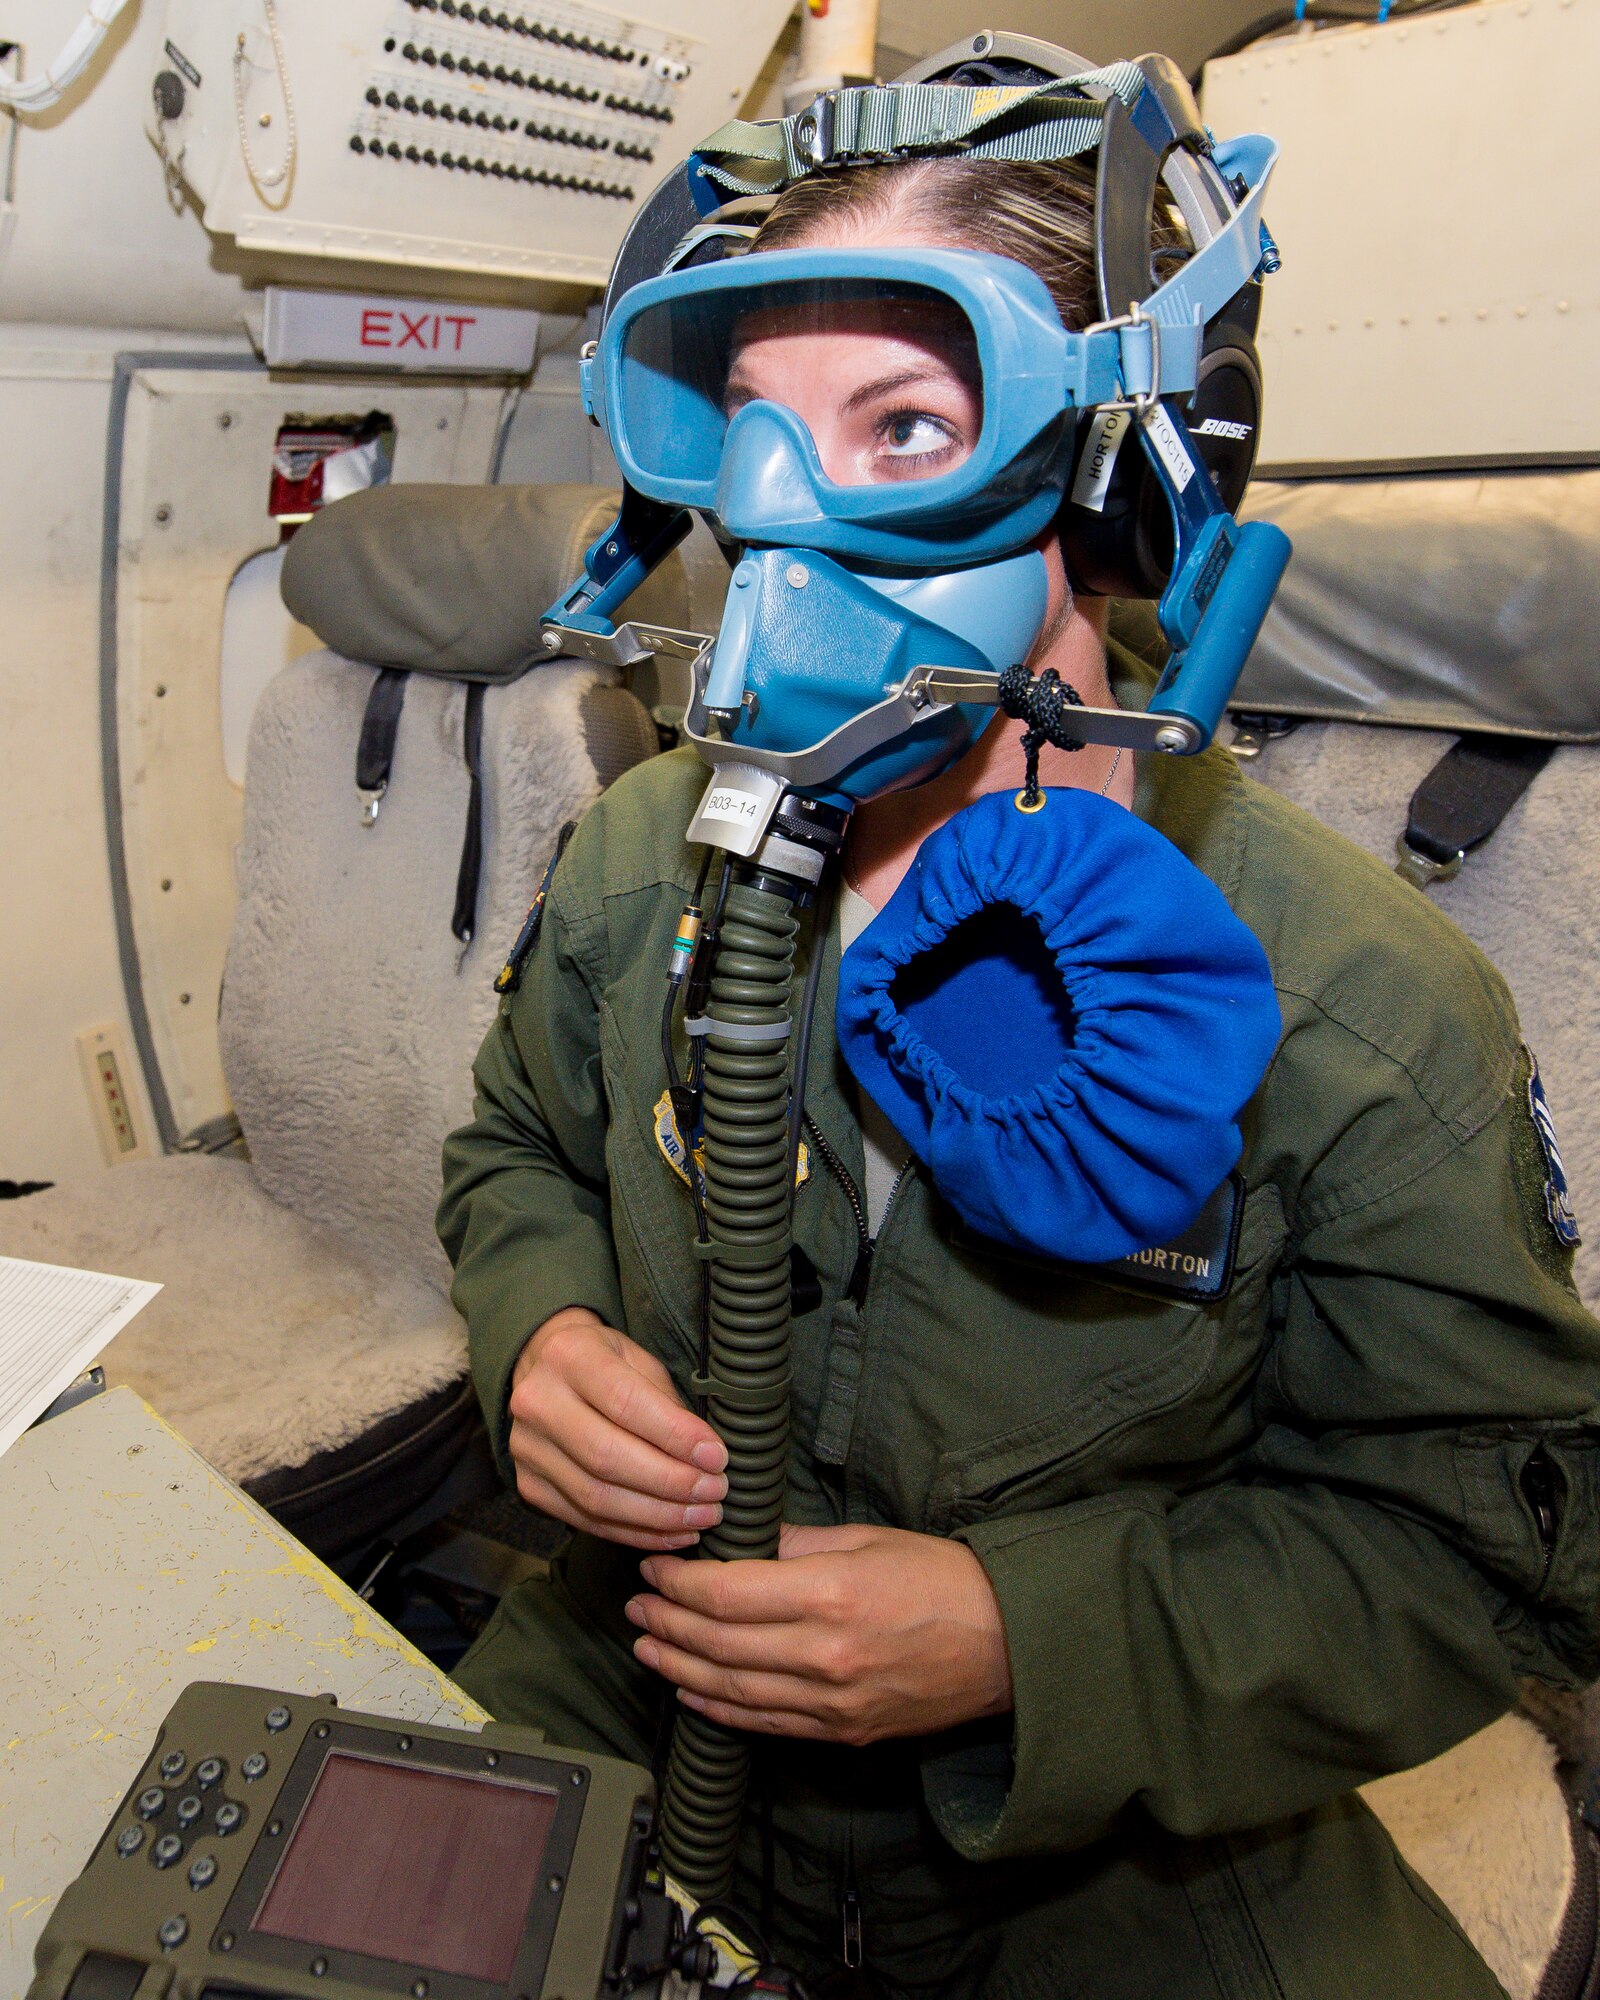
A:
(203, 1645)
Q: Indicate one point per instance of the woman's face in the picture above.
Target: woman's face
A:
(888, 388)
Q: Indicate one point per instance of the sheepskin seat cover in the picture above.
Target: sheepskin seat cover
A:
(350, 1012)
(1488, 1828)
(306, 1301)
(274, 1341)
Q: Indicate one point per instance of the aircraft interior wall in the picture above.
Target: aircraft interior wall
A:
(225, 303)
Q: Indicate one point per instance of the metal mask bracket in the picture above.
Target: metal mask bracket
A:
(643, 535)
(1223, 580)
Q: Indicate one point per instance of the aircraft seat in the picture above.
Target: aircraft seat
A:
(304, 1341)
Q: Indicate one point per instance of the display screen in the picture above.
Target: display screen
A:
(422, 1867)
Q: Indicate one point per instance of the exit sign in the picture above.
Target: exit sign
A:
(306, 329)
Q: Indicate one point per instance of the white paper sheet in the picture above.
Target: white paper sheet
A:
(53, 1322)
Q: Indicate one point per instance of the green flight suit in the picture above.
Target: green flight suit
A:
(1248, 1553)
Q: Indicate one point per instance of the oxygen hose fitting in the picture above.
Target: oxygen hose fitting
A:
(748, 1203)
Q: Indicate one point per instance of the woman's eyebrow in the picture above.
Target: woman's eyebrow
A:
(737, 388)
(885, 385)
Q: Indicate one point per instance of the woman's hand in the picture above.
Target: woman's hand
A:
(600, 1439)
(853, 1634)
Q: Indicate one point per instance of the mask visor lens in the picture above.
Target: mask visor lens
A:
(884, 376)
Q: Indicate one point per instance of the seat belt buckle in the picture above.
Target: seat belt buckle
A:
(370, 801)
(1422, 870)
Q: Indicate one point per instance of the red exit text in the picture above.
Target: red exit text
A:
(436, 333)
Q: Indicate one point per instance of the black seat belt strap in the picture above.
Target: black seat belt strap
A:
(1462, 801)
(465, 920)
(380, 725)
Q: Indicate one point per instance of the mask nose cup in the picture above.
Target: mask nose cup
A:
(768, 467)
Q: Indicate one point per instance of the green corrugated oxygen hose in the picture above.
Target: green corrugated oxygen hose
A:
(749, 1204)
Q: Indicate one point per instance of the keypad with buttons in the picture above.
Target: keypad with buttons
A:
(191, 1804)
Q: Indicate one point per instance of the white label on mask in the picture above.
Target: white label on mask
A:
(1099, 460)
(1163, 434)
(738, 808)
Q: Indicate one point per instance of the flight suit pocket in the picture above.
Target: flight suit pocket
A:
(1182, 1397)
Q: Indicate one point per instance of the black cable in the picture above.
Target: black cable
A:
(695, 990)
(734, 1922)
(1340, 12)
(668, 1053)
(821, 925)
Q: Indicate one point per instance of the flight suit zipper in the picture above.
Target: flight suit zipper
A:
(862, 1273)
(856, 1288)
(850, 1911)
(850, 1901)
(1539, 1490)
(836, 1405)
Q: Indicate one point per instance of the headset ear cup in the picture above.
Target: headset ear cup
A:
(1115, 524)
(1225, 415)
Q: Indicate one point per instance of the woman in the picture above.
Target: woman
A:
(1097, 1602)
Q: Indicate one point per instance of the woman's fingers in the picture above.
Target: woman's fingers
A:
(616, 1377)
(546, 1457)
(605, 1451)
(601, 1440)
(549, 1499)
(650, 1410)
(740, 1687)
(786, 1648)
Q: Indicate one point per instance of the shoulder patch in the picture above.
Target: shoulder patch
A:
(509, 977)
(1557, 1198)
(669, 1142)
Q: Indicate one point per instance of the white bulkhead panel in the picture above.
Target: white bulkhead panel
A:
(1439, 301)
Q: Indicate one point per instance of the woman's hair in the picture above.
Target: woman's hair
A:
(1038, 213)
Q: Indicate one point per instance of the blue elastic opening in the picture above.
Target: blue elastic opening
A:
(989, 1000)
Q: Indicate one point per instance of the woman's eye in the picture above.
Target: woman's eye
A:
(914, 435)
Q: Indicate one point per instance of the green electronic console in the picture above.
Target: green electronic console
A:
(277, 1847)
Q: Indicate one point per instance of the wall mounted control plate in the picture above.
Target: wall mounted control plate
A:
(511, 139)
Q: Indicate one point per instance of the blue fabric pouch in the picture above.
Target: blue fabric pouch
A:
(1062, 1018)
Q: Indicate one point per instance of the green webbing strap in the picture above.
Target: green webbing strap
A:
(887, 121)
